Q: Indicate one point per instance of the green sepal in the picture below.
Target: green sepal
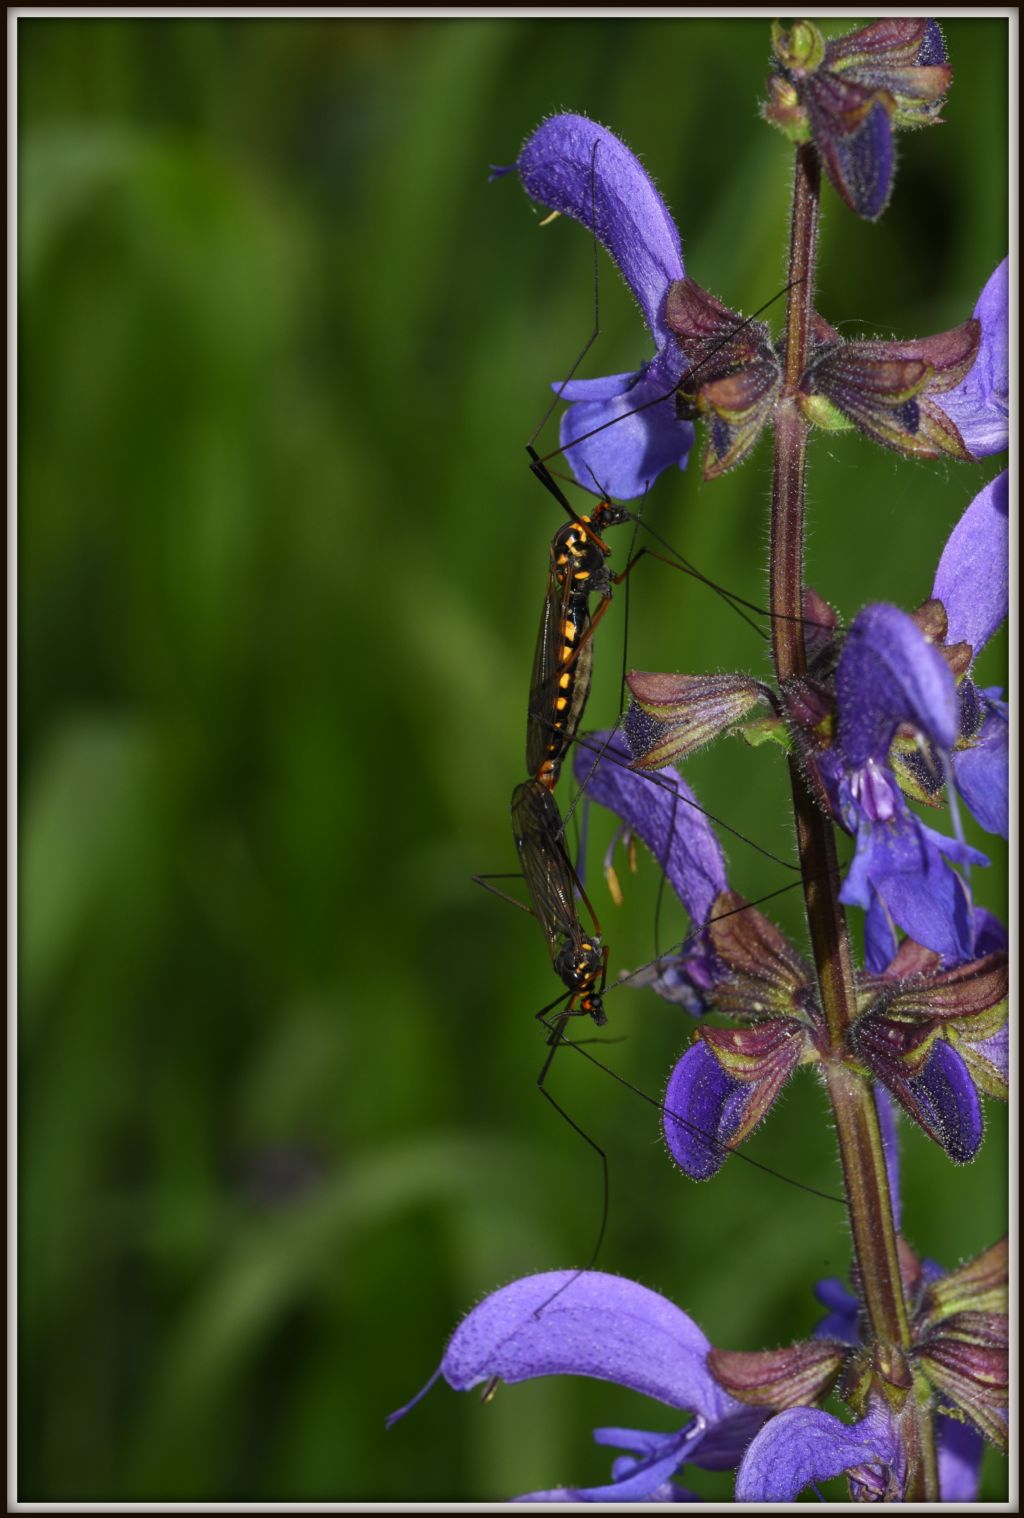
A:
(893, 1374)
(910, 782)
(985, 1075)
(979, 1286)
(967, 1360)
(801, 49)
(820, 412)
(765, 730)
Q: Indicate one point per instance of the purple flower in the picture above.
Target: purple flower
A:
(603, 1326)
(936, 1038)
(804, 1445)
(956, 1319)
(933, 1034)
(960, 1447)
(621, 431)
(729, 1078)
(849, 93)
(582, 170)
(890, 677)
(611, 1329)
(979, 405)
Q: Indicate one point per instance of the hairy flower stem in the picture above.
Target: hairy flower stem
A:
(856, 1120)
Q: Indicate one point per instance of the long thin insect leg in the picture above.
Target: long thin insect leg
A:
(555, 1041)
(485, 882)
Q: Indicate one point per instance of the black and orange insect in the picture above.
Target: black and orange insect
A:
(579, 958)
(563, 657)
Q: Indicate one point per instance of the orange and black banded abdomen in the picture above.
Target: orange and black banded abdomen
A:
(563, 658)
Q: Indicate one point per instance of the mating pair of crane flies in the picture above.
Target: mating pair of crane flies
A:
(559, 688)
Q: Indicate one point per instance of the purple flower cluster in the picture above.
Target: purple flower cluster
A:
(896, 682)
(887, 714)
(625, 429)
(848, 94)
(751, 1412)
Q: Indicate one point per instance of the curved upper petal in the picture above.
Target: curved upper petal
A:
(805, 1445)
(980, 404)
(973, 577)
(659, 807)
(587, 1324)
(888, 674)
(584, 171)
(627, 439)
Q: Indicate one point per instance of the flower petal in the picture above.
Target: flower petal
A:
(880, 941)
(641, 1480)
(806, 1445)
(980, 403)
(604, 388)
(660, 808)
(853, 133)
(982, 774)
(902, 861)
(989, 934)
(842, 1320)
(888, 674)
(620, 443)
(972, 580)
(598, 1325)
(960, 1450)
(704, 1107)
(943, 1100)
(683, 978)
(724, 1442)
(584, 171)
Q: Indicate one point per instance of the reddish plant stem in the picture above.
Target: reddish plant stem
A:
(856, 1119)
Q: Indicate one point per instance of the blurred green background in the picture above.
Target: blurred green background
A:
(280, 573)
